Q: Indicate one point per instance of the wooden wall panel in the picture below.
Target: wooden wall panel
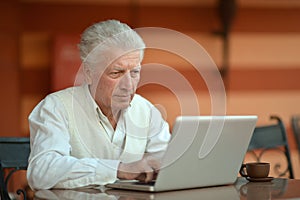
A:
(66, 18)
(35, 81)
(35, 50)
(28, 102)
(75, 17)
(9, 102)
(9, 69)
(264, 79)
(10, 13)
(267, 20)
(264, 50)
(184, 18)
(66, 61)
(245, 80)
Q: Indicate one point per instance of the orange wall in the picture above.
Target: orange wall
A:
(263, 61)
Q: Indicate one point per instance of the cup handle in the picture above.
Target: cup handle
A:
(242, 171)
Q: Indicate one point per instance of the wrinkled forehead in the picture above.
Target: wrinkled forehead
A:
(115, 59)
(129, 60)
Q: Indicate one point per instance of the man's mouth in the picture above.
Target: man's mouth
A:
(127, 96)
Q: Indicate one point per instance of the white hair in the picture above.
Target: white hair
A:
(104, 38)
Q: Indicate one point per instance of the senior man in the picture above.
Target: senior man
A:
(101, 130)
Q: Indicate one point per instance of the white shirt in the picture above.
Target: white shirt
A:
(74, 145)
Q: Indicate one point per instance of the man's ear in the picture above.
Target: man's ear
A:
(87, 74)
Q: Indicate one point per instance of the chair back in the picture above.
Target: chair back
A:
(296, 130)
(14, 153)
(266, 142)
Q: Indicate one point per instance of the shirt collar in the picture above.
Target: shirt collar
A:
(93, 103)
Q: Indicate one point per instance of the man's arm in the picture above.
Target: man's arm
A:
(50, 163)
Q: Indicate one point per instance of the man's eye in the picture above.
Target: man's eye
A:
(134, 73)
(115, 74)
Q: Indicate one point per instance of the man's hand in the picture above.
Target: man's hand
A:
(144, 170)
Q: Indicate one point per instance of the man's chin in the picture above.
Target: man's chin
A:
(119, 105)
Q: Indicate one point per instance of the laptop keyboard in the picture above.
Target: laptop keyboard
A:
(151, 183)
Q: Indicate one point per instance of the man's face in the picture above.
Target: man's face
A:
(118, 83)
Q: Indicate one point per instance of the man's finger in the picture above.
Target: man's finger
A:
(149, 176)
(141, 177)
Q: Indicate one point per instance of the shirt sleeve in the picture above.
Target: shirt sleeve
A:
(50, 162)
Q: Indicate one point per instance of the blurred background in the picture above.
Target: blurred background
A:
(255, 45)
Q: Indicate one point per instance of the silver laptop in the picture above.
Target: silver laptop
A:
(203, 151)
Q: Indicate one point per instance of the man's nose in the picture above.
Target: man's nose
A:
(126, 81)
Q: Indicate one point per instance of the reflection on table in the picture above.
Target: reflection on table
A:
(242, 189)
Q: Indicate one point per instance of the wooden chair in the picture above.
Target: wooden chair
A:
(295, 122)
(14, 153)
(268, 141)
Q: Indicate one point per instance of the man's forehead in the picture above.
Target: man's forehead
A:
(127, 59)
(129, 56)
